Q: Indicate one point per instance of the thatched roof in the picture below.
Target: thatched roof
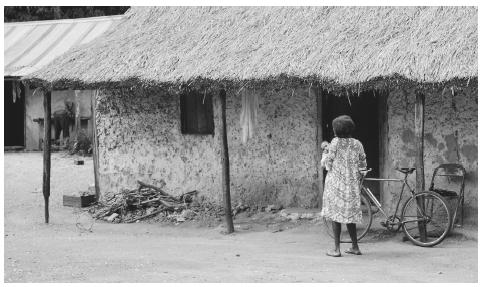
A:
(342, 45)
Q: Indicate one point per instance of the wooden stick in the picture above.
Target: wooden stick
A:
(170, 204)
(319, 139)
(47, 152)
(158, 189)
(383, 142)
(151, 200)
(225, 165)
(77, 113)
(147, 215)
(419, 164)
(95, 146)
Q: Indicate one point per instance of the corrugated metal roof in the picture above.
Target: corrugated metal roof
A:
(28, 46)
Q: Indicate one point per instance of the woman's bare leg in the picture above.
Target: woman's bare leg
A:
(336, 234)
(354, 241)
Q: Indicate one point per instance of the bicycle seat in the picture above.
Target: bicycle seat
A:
(406, 170)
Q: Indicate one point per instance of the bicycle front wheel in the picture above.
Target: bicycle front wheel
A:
(426, 213)
(361, 229)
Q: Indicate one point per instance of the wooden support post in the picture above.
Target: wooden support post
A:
(225, 164)
(419, 163)
(95, 145)
(383, 145)
(319, 139)
(77, 114)
(47, 151)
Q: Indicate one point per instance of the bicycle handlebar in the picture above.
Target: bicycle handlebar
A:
(364, 172)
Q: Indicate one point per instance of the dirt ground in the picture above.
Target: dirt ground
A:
(195, 252)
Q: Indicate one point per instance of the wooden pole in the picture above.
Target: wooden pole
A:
(225, 165)
(419, 164)
(319, 139)
(77, 113)
(383, 142)
(47, 152)
(95, 146)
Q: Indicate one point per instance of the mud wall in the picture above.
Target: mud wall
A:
(277, 165)
(140, 138)
(450, 137)
(34, 109)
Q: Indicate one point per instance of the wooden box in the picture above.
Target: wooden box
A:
(78, 201)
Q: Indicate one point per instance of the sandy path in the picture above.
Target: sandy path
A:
(59, 252)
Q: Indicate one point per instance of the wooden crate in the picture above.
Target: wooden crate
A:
(78, 201)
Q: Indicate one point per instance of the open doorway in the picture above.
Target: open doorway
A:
(365, 112)
(14, 117)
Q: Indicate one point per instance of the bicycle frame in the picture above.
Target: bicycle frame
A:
(417, 200)
(375, 201)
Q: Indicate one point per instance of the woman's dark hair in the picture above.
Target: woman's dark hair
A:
(343, 126)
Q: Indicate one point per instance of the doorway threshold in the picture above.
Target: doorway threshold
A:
(14, 148)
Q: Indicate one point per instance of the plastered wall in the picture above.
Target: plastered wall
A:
(139, 138)
(450, 137)
(278, 164)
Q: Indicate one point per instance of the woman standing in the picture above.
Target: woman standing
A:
(343, 158)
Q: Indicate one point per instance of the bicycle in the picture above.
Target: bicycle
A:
(425, 216)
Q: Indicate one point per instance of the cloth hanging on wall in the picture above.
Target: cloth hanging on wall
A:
(249, 115)
(16, 91)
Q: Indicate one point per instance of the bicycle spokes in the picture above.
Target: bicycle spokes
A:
(426, 213)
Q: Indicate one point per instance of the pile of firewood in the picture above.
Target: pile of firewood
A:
(145, 201)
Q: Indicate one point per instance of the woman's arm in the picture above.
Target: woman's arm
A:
(362, 158)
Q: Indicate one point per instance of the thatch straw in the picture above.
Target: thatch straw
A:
(345, 45)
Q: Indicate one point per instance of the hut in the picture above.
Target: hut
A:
(160, 76)
(28, 47)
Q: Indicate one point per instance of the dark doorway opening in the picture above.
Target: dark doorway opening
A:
(14, 117)
(364, 110)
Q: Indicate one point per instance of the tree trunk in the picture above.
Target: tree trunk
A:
(419, 164)
(225, 164)
(47, 152)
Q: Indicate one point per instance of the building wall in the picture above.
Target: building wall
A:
(140, 139)
(278, 164)
(450, 137)
(34, 109)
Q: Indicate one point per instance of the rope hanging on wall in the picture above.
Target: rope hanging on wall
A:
(249, 115)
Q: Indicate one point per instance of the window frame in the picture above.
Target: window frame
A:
(196, 113)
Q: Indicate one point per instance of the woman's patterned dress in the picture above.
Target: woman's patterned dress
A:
(341, 196)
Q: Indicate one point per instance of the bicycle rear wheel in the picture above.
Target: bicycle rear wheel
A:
(430, 210)
(361, 228)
